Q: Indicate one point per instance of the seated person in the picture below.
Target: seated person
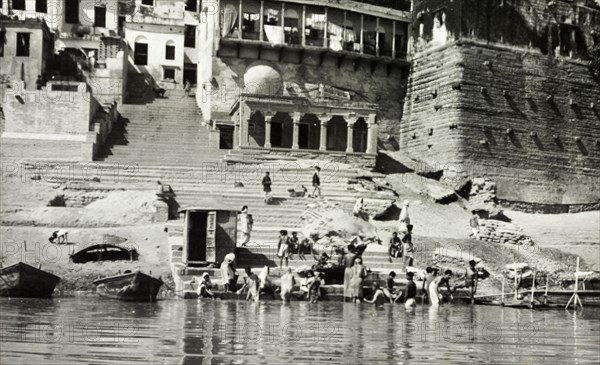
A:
(204, 287)
(323, 261)
(395, 247)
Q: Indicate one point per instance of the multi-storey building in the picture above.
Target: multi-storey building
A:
(306, 77)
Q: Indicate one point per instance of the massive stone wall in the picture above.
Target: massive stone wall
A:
(518, 110)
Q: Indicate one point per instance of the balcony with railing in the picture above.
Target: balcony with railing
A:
(294, 25)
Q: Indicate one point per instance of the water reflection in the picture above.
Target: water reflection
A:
(90, 330)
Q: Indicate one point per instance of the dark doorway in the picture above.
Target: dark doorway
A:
(196, 251)
(100, 16)
(276, 134)
(190, 73)
(226, 137)
(337, 133)
(303, 135)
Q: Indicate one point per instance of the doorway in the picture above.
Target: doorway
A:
(190, 73)
(276, 134)
(196, 250)
(303, 135)
(226, 137)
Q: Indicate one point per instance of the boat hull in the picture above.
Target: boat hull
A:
(25, 281)
(133, 287)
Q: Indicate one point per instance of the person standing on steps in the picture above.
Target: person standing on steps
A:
(266, 183)
(408, 249)
(246, 222)
(283, 248)
(316, 182)
(187, 88)
(474, 223)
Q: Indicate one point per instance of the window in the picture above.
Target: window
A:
(191, 5)
(169, 73)
(18, 4)
(23, 44)
(141, 54)
(190, 36)
(72, 11)
(2, 40)
(250, 25)
(148, 2)
(41, 6)
(100, 16)
(170, 51)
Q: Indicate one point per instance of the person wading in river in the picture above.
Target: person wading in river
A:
(252, 283)
(434, 294)
(378, 296)
(359, 273)
(348, 260)
(410, 292)
(287, 285)
(470, 281)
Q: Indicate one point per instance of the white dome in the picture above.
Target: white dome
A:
(262, 79)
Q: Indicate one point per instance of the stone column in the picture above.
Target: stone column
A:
(296, 131)
(323, 144)
(350, 137)
(372, 134)
(242, 125)
(268, 130)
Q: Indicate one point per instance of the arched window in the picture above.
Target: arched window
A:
(140, 56)
(170, 50)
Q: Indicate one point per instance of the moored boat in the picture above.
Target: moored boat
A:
(25, 281)
(132, 287)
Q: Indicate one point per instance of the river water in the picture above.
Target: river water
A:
(89, 330)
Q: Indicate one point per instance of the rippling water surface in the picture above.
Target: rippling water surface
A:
(101, 331)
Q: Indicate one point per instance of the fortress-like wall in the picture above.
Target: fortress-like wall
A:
(498, 91)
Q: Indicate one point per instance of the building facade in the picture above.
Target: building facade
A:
(162, 36)
(26, 48)
(304, 76)
(503, 88)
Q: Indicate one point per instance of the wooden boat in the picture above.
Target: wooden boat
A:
(25, 281)
(132, 287)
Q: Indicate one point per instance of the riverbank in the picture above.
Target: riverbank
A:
(30, 245)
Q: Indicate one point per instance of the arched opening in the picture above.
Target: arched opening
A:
(170, 50)
(359, 137)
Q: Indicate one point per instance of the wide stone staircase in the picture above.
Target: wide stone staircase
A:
(162, 140)
(164, 132)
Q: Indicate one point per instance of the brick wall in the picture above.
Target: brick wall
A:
(47, 111)
(513, 111)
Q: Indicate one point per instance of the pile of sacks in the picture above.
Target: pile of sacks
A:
(502, 232)
(327, 224)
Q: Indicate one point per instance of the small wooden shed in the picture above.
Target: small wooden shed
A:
(209, 234)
